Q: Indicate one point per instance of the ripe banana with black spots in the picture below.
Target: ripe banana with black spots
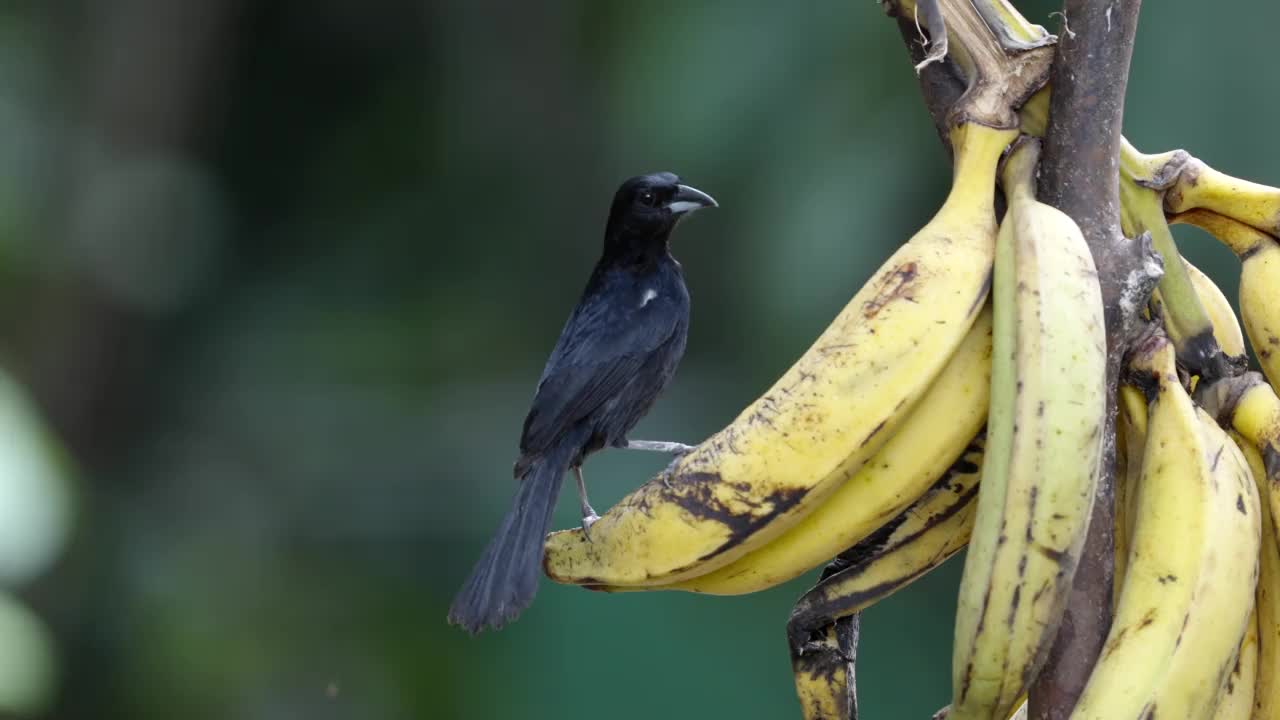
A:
(832, 411)
(895, 482)
(1187, 591)
(825, 672)
(933, 529)
(1044, 435)
(1259, 255)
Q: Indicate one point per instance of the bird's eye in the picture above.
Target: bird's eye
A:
(647, 197)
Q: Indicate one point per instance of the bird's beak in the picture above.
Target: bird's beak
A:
(688, 199)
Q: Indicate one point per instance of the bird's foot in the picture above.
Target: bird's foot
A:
(670, 469)
(587, 521)
(672, 448)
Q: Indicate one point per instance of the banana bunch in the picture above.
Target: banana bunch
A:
(1186, 594)
(959, 400)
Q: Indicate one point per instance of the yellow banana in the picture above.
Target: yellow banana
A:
(1044, 436)
(1259, 255)
(936, 527)
(824, 673)
(1199, 186)
(832, 411)
(915, 458)
(1187, 591)
(1266, 691)
(1254, 411)
(1205, 650)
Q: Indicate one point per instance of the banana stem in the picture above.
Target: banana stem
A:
(1014, 31)
(999, 80)
(1018, 176)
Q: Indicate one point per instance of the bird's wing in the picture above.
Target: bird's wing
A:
(601, 348)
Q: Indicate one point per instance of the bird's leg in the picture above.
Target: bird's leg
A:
(589, 516)
(672, 448)
(678, 450)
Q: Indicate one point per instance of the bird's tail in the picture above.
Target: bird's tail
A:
(505, 579)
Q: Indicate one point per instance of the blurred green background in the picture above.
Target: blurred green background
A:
(277, 279)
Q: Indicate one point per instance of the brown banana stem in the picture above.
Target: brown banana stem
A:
(1079, 175)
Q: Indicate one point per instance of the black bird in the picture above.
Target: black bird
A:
(615, 354)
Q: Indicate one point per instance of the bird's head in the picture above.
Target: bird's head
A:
(647, 207)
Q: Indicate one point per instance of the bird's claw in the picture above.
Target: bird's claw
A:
(587, 521)
(670, 469)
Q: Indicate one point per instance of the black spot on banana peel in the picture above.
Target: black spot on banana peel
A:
(698, 494)
(700, 501)
(915, 467)
(895, 285)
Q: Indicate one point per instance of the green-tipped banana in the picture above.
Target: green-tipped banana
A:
(1044, 435)
(1185, 319)
(1187, 591)
(933, 529)
(831, 412)
(1259, 255)
(1226, 328)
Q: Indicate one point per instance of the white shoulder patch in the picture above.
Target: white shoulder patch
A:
(648, 295)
